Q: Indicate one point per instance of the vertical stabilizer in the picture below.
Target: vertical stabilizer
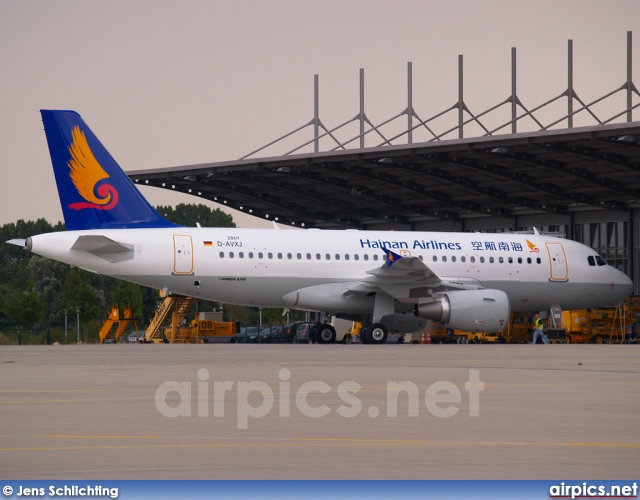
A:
(94, 191)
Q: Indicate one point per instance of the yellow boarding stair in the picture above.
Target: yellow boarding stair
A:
(115, 319)
(180, 306)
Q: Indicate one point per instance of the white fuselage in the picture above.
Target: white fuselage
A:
(257, 267)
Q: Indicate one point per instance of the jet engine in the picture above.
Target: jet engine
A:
(468, 310)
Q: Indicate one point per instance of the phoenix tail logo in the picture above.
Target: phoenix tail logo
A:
(86, 173)
(532, 247)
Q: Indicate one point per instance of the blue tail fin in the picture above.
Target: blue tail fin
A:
(94, 191)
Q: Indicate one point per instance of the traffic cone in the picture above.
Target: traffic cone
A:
(423, 340)
(429, 337)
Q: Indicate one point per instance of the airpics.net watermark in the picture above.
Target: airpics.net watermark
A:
(257, 399)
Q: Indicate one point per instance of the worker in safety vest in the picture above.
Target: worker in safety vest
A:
(538, 330)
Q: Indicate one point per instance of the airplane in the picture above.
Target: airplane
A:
(391, 281)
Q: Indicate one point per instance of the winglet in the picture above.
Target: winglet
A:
(392, 257)
(94, 191)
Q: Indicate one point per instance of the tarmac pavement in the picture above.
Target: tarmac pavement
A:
(219, 411)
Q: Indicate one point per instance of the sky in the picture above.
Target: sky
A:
(169, 83)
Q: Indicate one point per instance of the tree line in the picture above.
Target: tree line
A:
(38, 296)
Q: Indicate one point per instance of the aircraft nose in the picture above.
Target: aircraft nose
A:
(622, 285)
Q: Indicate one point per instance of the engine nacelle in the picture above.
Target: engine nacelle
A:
(483, 311)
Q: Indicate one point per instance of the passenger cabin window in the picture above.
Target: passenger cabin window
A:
(222, 255)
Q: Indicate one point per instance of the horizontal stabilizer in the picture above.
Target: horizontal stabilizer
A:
(103, 247)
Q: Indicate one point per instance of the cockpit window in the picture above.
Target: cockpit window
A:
(592, 260)
(600, 261)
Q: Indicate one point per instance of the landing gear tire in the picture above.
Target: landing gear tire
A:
(325, 334)
(376, 334)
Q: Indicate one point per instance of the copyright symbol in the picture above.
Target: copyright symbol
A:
(7, 491)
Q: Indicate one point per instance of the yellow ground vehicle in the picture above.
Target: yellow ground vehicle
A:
(202, 330)
(519, 331)
(441, 335)
(578, 326)
(207, 327)
(617, 324)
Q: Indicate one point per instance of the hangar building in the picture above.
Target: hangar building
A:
(581, 182)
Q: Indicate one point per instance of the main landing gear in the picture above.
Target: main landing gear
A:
(374, 334)
(324, 334)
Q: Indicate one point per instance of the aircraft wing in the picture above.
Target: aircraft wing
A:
(404, 271)
(397, 277)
